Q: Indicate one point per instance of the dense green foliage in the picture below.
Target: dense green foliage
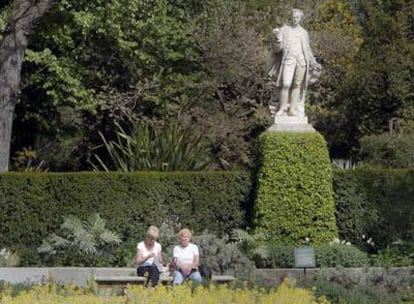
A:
(34, 205)
(388, 151)
(76, 241)
(334, 255)
(294, 202)
(286, 293)
(224, 257)
(326, 255)
(377, 87)
(368, 286)
(92, 64)
(376, 205)
(172, 149)
(398, 254)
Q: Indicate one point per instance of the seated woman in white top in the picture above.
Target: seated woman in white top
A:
(186, 259)
(149, 256)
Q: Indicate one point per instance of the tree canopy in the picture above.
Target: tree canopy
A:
(91, 66)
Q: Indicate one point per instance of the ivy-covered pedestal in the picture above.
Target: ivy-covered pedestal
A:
(295, 203)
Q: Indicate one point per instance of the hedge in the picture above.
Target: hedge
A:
(326, 255)
(378, 204)
(375, 204)
(33, 204)
(295, 201)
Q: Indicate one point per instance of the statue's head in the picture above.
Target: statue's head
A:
(297, 16)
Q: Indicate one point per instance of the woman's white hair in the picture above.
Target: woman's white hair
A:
(185, 231)
(153, 232)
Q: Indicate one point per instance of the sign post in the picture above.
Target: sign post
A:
(305, 258)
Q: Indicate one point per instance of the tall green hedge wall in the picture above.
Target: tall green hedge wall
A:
(377, 204)
(33, 205)
(294, 189)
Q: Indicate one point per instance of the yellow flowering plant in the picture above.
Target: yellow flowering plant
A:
(286, 293)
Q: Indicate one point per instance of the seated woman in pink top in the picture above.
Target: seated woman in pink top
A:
(149, 256)
(186, 259)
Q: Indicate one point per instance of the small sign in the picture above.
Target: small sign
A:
(305, 257)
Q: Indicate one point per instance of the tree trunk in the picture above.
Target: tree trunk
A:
(6, 121)
(25, 14)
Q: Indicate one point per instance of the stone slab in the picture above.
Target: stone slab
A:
(291, 120)
(30, 275)
(79, 276)
(292, 128)
(137, 279)
(71, 275)
(222, 278)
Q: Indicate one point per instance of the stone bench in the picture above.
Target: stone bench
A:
(109, 281)
(120, 281)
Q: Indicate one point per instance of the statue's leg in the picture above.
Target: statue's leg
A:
(297, 106)
(284, 101)
(287, 77)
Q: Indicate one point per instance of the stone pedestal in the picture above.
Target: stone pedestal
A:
(291, 124)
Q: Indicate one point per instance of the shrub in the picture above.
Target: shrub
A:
(367, 286)
(33, 204)
(280, 256)
(397, 254)
(375, 203)
(355, 213)
(387, 151)
(333, 255)
(286, 293)
(78, 240)
(148, 149)
(224, 257)
(327, 255)
(357, 294)
(294, 189)
(14, 289)
(251, 245)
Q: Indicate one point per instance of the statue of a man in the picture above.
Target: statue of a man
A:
(292, 64)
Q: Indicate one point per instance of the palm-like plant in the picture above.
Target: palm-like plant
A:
(8, 258)
(170, 149)
(88, 237)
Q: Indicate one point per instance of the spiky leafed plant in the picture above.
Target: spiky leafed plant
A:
(90, 237)
(172, 148)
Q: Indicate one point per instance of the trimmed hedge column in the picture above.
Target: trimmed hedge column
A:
(294, 196)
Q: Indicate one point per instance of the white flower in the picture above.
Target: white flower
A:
(338, 241)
